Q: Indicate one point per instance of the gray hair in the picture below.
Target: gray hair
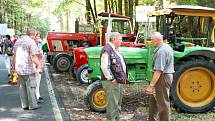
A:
(114, 35)
(31, 32)
(157, 35)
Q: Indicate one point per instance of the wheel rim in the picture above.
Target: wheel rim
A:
(99, 99)
(195, 87)
(63, 63)
(84, 75)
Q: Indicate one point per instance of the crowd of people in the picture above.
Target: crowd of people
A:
(24, 59)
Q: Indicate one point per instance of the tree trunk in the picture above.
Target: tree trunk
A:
(115, 5)
(136, 23)
(90, 9)
(161, 4)
(112, 6)
(109, 6)
(67, 21)
(126, 8)
(131, 3)
(119, 7)
(61, 22)
(88, 17)
(95, 11)
(106, 5)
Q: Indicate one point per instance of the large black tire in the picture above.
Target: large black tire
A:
(62, 62)
(95, 97)
(193, 88)
(82, 74)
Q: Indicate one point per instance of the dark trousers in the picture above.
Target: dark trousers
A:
(159, 104)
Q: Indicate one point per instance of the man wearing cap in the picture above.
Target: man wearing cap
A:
(163, 69)
(113, 75)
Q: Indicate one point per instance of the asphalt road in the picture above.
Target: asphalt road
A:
(10, 106)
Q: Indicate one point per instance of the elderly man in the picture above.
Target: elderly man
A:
(163, 69)
(113, 70)
(26, 64)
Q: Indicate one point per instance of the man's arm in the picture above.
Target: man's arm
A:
(153, 82)
(105, 66)
(36, 62)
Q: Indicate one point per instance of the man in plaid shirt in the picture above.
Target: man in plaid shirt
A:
(26, 64)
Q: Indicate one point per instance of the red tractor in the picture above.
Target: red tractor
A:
(79, 68)
(62, 44)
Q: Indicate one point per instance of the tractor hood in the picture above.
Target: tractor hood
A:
(128, 53)
(133, 56)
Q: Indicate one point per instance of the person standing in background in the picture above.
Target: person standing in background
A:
(39, 72)
(8, 52)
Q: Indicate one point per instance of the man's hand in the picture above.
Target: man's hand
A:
(149, 90)
(39, 68)
(114, 81)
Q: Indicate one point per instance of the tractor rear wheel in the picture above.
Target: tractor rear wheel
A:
(61, 62)
(193, 88)
(95, 98)
(82, 74)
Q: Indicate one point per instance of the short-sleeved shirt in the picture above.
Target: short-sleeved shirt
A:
(163, 59)
(30, 48)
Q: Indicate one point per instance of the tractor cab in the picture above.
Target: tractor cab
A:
(193, 24)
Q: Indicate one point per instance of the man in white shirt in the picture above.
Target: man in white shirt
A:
(113, 75)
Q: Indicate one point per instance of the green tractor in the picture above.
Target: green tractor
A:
(193, 87)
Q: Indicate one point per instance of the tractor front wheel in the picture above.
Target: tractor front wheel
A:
(95, 98)
(82, 74)
(193, 88)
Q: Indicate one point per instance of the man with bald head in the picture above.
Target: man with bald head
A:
(113, 75)
(163, 69)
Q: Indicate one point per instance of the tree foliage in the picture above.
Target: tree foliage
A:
(20, 15)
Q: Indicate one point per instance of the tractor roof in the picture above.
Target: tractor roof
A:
(186, 10)
(106, 14)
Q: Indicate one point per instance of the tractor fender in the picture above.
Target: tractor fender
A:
(70, 54)
(207, 53)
